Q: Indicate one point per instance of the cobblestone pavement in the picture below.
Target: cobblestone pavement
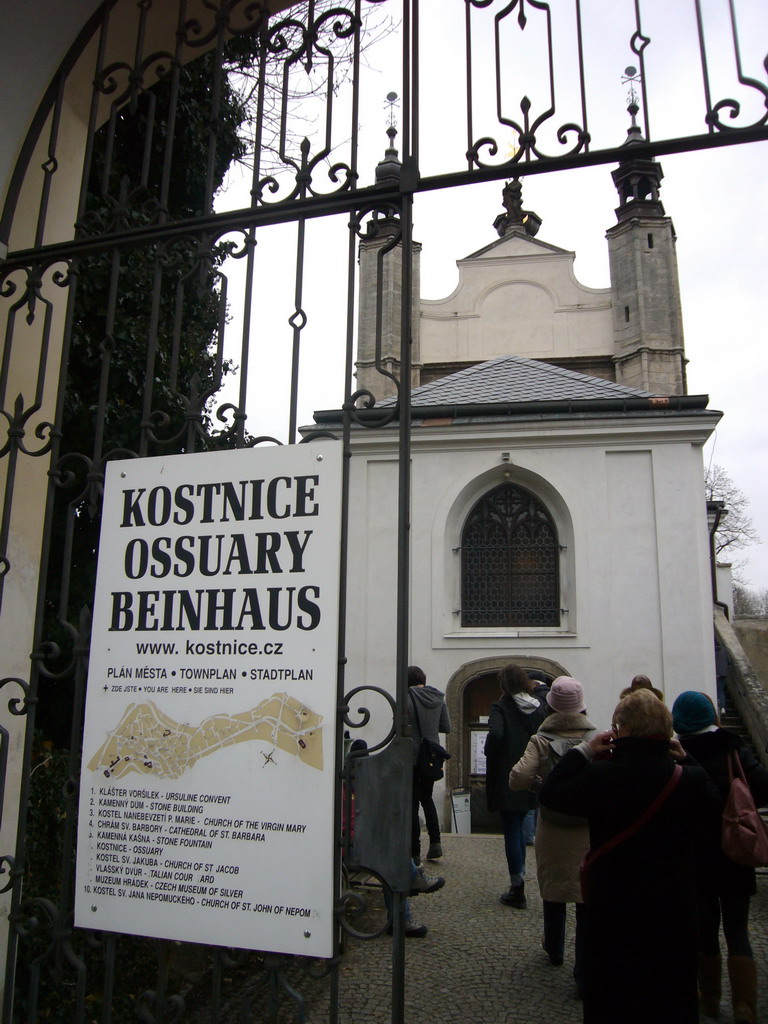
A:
(481, 962)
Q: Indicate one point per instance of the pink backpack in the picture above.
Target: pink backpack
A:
(744, 833)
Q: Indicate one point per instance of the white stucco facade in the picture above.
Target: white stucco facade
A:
(517, 295)
(625, 492)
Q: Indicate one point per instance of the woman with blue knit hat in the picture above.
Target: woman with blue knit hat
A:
(724, 886)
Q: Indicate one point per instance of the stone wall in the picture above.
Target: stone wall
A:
(753, 635)
(749, 695)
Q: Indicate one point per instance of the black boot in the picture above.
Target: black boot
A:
(515, 897)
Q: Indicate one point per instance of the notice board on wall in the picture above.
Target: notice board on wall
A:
(477, 762)
(207, 785)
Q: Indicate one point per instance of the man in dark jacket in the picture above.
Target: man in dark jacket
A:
(511, 723)
(429, 717)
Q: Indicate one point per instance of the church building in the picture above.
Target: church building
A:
(558, 514)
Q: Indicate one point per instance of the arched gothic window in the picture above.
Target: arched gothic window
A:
(509, 562)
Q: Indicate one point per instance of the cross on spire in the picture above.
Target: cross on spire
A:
(632, 77)
(392, 101)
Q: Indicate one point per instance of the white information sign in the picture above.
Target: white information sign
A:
(206, 806)
(462, 811)
(477, 753)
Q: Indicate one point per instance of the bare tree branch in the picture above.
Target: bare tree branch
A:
(747, 601)
(308, 57)
(736, 529)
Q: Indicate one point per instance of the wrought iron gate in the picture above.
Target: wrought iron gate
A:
(149, 310)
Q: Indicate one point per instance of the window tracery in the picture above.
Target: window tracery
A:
(510, 561)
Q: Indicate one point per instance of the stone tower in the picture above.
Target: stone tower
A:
(647, 319)
(380, 278)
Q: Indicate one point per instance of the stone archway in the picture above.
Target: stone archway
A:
(469, 695)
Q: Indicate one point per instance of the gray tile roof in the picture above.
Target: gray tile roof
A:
(512, 379)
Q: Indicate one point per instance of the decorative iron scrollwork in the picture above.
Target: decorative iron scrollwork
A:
(18, 705)
(526, 131)
(355, 905)
(7, 863)
(365, 714)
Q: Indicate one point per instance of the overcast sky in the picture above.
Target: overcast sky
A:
(717, 200)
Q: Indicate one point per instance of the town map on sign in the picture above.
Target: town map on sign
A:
(151, 743)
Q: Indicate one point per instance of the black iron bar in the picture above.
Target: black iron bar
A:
(297, 321)
(410, 61)
(339, 203)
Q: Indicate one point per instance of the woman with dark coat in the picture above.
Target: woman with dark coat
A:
(724, 886)
(640, 942)
(511, 723)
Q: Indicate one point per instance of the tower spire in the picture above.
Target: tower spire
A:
(380, 283)
(637, 179)
(389, 169)
(649, 350)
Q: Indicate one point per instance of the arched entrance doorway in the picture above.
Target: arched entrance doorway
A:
(469, 695)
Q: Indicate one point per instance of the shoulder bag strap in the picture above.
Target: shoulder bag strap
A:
(734, 759)
(647, 814)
